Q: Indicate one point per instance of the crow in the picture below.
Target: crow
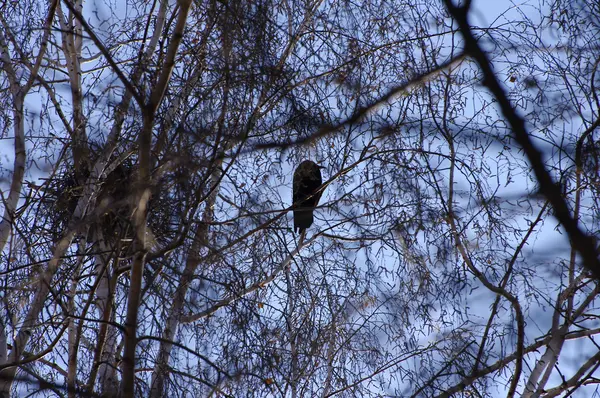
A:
(306, 194)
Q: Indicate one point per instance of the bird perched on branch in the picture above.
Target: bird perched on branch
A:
(306, 194)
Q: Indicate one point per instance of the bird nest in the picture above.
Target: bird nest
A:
(114, 206)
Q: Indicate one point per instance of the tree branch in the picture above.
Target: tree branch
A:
(584, 244)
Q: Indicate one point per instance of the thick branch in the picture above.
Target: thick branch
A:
(142, 198)
(583, 243)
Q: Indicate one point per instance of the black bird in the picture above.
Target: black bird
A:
(307, 180)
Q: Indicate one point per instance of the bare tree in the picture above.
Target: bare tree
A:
(148, 156)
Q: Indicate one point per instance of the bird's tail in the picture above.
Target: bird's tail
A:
(303, 218)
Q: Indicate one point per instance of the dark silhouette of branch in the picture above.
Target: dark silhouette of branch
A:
(583, 243)
(362, 112)
(128, 86)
